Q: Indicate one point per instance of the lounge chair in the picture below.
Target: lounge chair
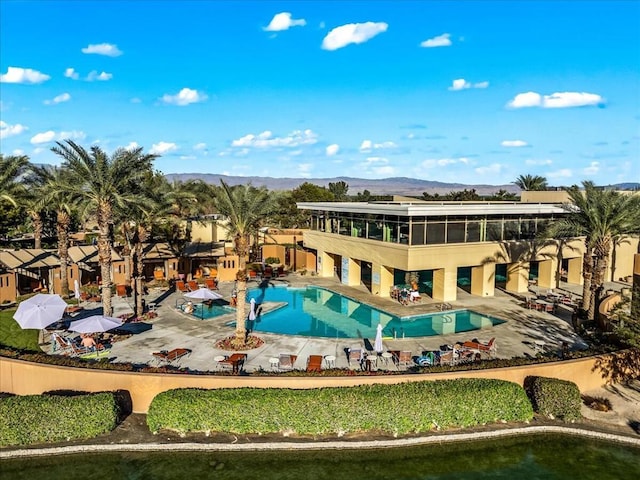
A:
(314, 363)
(489, 347)
(211, 283)
(193, 285)
(61, 344)
(446, 357)
(355, 355)
(158, 274)
(172, 355)
(181, 287)
(287, 361)
(405, 359)
(235, 361)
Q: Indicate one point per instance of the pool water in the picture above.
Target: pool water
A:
(527, 457)
(316, 312)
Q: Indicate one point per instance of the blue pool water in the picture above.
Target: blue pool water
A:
(316, 312)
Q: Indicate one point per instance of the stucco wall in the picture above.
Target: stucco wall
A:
(26, 378)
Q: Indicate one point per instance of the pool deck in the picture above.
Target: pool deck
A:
(516, 337)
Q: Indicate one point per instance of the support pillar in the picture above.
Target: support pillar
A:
(445, 284)
(381, 280)
(351, 272)
(482, 280)
(574, 271)
(547, 273)
(518, 277)
(326, 264)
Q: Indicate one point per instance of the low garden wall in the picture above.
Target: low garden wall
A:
(26, 378)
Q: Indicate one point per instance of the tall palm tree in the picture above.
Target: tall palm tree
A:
(531, 182)
(602, 217)
(104, 183)
(55, 194)
(11, 167)
(245, 208)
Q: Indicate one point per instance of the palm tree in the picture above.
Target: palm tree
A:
(602, 217)
(531, 182)
(245, 207)
(11, 167)
(104, 183)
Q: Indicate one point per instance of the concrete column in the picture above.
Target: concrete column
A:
(518, 277)
(326, 264)
(352, 274)
(574, 271)
(547, 271)
(444, 284)
(483, 280)
(381, 280)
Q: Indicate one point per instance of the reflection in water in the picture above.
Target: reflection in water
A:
(318, 312)
(528, 457)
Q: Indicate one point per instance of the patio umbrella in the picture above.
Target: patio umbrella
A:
(252, 310)
(203, 294)
(76, 290)
(40, 311)
(377, 346)
(95, 323)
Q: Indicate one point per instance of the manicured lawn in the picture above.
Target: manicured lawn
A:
(12, 335)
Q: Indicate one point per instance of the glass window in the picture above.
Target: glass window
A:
(473, 231)
(511, 230)
(494, 231)
(417, 234)
(455, 232)
(404, 233)
(435, 233)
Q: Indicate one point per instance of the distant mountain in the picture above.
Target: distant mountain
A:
(384, 186)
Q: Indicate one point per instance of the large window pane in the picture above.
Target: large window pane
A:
(417, 234)
(455, 232)
(404, 233)
(435, 233)
(511, 230)
(473, 231)
(494, 231)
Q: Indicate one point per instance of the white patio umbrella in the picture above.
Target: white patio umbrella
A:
(95, 323)
(40, 311)
(76, 290)
(203, 294)
(377, 345)
(252, 310)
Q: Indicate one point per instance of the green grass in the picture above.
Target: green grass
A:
(11, 335)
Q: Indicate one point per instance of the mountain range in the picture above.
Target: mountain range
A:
(383, 186)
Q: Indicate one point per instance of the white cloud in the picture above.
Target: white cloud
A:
(17, 151)
(332, 149)
(439, 41)
(50, 136)
(102, 77)
(163, 147)
(184, 97)
(135, 100)
(562, 173)
(200, 146)
(533, 162)
(7, 130)
(514, 143)
(352, 33)
(462, 84)
(71, 73)
(37, 150)
(266, 139)
(592, 169)
(304, 169)
(63, 97)
(367, 146)
(23, 75)
(132, 146)
(283, 21)
(493, 169)
(443, 162)
(107, 49)
(555, 100)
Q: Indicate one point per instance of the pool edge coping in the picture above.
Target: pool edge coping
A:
(331, 445)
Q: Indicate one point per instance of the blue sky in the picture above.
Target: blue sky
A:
(470, 92)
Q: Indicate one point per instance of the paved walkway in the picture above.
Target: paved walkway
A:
(516, 337)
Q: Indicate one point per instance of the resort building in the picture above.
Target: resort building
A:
(443, 246)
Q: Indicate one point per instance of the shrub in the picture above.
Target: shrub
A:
(25, 420)
(271, 260)
(391, 409)
(554, 398)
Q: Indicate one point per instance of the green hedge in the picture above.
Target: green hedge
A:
(30, 419)
(393, 409)
(554, 398)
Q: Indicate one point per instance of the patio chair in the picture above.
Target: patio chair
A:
(446, 357)
(171, 356)
(286, 361)
(314, 363)
(193, 285)
(355, 355)
(489, 347)
(211, 283)
(405, 359)
(235, 360)
(181, 286)
(61, 344)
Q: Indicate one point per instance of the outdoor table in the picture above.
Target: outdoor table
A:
(274, 362)
(330, 360)
(386, 356)
(538, 345)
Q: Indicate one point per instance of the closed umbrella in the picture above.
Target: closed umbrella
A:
(40, 311)
(377, 346)
(252, 310)
(203, 294)
(76, 290)
(95, 323)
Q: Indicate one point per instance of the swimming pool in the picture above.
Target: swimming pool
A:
(316, 312)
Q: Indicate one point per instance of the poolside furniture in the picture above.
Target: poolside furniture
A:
(480, 347)
(193, 285)
(446, 357)
(330, 361)
(274, 363)
(287, 361)
(314, 363)
(181, 286)
(355, 355)
(386, 356)
(235, 361)
(171, 356)
(405, 359)
(60, 344)
(211, 283)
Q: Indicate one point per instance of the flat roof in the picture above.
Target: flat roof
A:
(430, 209)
